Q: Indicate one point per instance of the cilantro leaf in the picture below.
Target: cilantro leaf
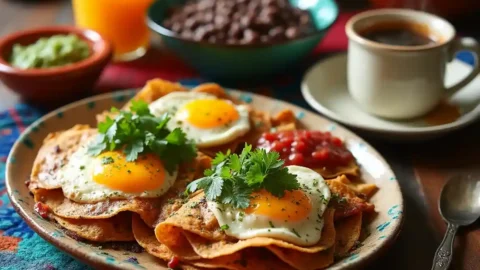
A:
(280, 181)
(233, 178)
(201, 183)
(97, 146)
(235, 163)
(140, 108)
(241, 195)
(255, 175)
(214, 189)
(177, 136)
(133, 149)
(105, 125)
(235, 193)
(138, 131)
(220, 157)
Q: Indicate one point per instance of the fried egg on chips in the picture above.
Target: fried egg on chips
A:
(206, 119)
(295, 217)
(88, 179)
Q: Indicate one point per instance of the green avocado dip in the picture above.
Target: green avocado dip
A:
(54, 51)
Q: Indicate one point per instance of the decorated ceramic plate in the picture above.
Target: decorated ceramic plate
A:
(381, 230)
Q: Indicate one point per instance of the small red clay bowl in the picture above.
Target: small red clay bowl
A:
(57, 84)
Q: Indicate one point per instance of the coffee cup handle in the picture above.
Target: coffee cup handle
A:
(468, 44)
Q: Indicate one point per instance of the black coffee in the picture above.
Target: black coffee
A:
(400, 34)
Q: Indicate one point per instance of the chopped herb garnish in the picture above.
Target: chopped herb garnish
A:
(224, 227)
(194, 205)
(233, 178)
(138, 131)
(271, 224)
(107, 160)
(296, 233)
(82, 167)
(338, 198)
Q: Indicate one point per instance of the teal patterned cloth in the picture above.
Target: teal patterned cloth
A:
(20, 247)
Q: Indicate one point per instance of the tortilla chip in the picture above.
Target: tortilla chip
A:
(329, 173)
(351, 204)
(117, 228)
(149, 209)
(209, 249)
(347, 234)
(155, 89)
(284, 117)
(199, 226)
(286, 127)
(304, 261)
(146, 238)
(362, 189)
(246, 259)
(213, 89)
(56, 150)
(152, 210)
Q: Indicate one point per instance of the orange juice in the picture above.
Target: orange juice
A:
(121, 21)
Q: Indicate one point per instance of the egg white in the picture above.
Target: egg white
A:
(78, 185)
(243, 226)
(203, 137)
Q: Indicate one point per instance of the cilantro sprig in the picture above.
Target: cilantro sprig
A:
(138, 131)
(233, 178)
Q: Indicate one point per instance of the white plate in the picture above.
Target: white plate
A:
(383, 228)
(325, 88)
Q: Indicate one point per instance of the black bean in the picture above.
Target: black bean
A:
(177, 27)
(292, 32)
(239, 21)
(235, 30)
(304, 19)
(276, 32)
(250, 36)
(191, 23)
(247, 20)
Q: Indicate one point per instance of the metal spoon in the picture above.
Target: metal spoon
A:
(459, 205)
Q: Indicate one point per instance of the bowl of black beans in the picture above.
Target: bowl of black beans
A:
(241, 39)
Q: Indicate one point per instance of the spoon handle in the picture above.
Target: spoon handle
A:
(444, 254)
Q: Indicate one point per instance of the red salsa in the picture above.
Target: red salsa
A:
(308, 148)
(173, 263)
(41, 209)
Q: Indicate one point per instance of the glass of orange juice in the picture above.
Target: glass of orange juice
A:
(121, 21)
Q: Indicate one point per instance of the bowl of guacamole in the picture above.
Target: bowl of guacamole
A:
(53, 64)
(48, 52)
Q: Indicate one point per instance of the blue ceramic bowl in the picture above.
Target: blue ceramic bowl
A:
(240, 62)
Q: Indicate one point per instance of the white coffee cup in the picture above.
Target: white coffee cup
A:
(401, 82)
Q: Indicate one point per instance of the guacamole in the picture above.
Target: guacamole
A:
(54, 51)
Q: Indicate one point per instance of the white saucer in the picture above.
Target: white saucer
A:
(325, 88)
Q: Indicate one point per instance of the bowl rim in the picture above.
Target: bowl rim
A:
(163, 31)
(100, 46)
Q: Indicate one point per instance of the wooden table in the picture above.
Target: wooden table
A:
(421, 168)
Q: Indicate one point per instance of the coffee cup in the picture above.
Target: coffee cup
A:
(397, 60)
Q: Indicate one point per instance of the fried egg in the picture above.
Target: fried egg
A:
(297, 217)
(109, 175)
(206, 119)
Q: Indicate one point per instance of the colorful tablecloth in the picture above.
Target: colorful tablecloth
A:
(20, 247)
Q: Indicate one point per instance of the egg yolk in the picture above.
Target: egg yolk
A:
(209, 113)
(114, 171)
(293, 206)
